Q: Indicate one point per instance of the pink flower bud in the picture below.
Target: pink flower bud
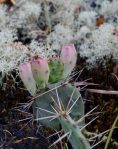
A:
(68, 57)
(40, 71)
(27, 77)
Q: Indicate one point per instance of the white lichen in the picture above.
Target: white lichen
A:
(101, 43)
(47, 27)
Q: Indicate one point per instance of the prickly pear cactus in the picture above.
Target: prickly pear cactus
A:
(45, 102)
(61, 107)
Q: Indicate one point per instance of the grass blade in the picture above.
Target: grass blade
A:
(110, 133)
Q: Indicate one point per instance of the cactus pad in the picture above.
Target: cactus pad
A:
(64, 93)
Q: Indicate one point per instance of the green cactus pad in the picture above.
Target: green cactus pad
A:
(76, 138)
(56, 70)
(45, 102)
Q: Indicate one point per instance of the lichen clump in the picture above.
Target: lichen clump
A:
(31, 27)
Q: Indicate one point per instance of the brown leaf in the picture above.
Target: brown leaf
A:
(11, 2)
(2, 1)
(100, 20)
